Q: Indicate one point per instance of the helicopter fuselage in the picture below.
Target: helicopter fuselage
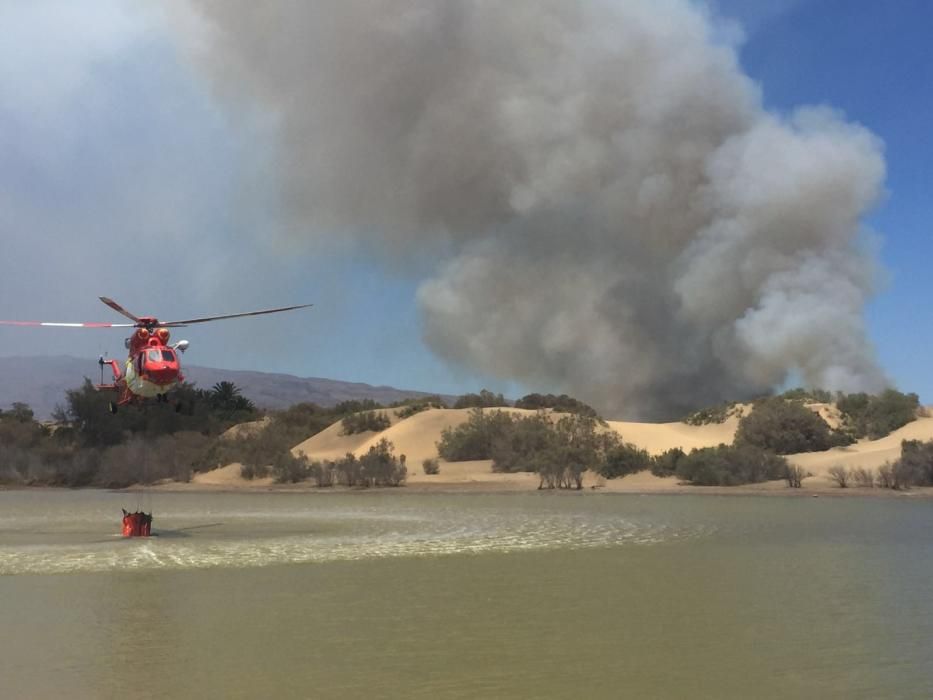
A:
(151, 370)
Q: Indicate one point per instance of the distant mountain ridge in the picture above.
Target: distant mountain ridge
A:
(41, 382)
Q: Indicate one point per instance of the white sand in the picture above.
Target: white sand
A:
(416, 437)
(868, 454)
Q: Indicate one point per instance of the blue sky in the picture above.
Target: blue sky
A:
(123, 173)
(872, 61)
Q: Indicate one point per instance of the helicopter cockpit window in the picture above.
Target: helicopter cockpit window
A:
(154, 356)
(168, 355)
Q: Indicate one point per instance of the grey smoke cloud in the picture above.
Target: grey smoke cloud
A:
(613, 211)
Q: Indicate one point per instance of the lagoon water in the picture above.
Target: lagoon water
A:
(414, 595)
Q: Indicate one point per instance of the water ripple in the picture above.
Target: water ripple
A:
(269, 537)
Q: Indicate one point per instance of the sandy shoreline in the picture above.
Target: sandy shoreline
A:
(767, 489)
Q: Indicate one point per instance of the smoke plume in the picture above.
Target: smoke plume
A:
(613, 212)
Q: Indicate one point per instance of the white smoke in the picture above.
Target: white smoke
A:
(614, 213)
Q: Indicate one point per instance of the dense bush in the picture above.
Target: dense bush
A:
(665, 464)
(431, 466)
(146, 461)
(786, 427)
(915, 466)
(88, 446)
(88, 423)
(484, 399)
(410, 407)
(876, 416)
(378, 467)
(519, 443)
(18, 428)
(324, 474)
(290, 469)
(357, 406)
(579, 447)
(713, 414)
(807, 395)
(559, 452)
(560, 404)
(623, 459)
(474, 438)
(375, 421)
(729, 465)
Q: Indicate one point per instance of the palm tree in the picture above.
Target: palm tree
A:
(226, 396)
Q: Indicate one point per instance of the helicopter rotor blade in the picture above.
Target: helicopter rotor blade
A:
(50, 324)
(119, 309)
(176, 324)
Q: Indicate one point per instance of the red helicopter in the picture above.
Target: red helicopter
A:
(152, 368)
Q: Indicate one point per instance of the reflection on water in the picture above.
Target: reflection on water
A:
(466, 596)
(59, 532)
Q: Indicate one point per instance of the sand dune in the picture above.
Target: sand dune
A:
(416, 437)
(228, 477)
(660, 437)
(413, 437)
(869, 454)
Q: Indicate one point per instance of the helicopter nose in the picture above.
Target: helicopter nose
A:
(163, 375)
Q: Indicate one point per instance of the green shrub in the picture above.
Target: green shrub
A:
(431, 466)
(518, 444)
(807, 395)
(375, 421)
(666, 464)
(410, 407)
(380, 467)
(484, 399)
(729, 465)
(876, 416)
(560, 404)
(711, 415)
(289, 469)
(915, 466)
(357, 406)
(474, 439)
(322, 473)
(624, 459)
(786, 427)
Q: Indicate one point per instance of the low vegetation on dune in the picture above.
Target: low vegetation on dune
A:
(781, 420)
(730, 465)
(913, 468)
(563, 439)
(409, 407)
(560, 449)
(484, 399)
(366, 421)
(876, 416)
(557, 447)
(558, 404)
(787, 427)
(378, 467)
(87, 446)
(714, 414)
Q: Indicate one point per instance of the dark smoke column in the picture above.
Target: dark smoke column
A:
(621, 218)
